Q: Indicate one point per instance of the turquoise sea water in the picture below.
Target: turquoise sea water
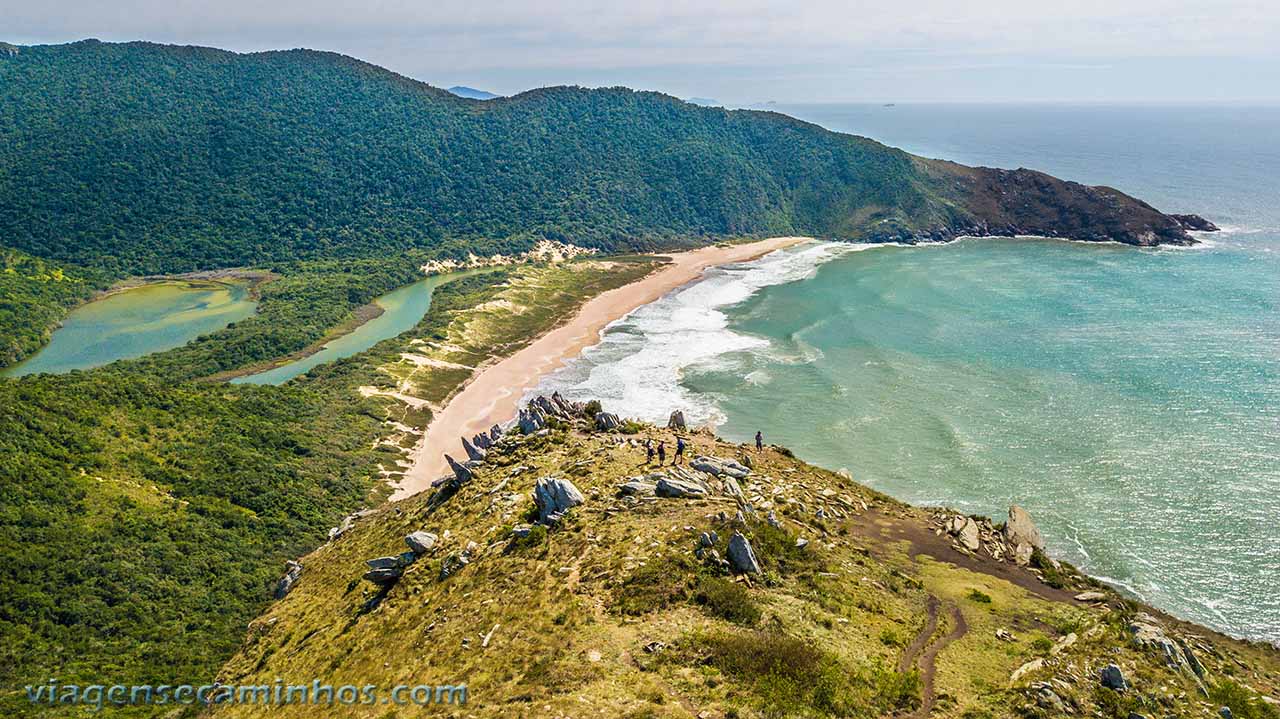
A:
(136, 322)
(1130, 399)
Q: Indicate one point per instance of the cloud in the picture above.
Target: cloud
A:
(712, 46)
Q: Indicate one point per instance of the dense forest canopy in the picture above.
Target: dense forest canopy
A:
(144, 158)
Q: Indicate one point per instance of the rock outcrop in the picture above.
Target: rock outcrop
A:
(676, 421)
(717, 466)
(674, 488)
(607, 421)
(461, 473)
(474, 453)
(553, 497)
(293, 570)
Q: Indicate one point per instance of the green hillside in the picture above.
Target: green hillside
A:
(144, 158)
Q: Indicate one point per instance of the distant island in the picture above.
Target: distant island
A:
(471, 92)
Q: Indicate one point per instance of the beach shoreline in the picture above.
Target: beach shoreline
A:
(492, 394)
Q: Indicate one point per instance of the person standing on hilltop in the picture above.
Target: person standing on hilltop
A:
(679, 450)
(648, 451)
(759, 441)
(662, 452)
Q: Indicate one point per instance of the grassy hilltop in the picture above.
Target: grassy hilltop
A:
(864, 606)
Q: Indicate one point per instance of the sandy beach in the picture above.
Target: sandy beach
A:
(491, 396)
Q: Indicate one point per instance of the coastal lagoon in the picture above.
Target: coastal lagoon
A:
(138, 321)
(402, 309)
(1127, 397)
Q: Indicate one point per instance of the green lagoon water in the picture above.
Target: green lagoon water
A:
(136, 322)
(1130, 399)
(402, 309)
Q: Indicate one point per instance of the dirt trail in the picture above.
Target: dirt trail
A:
(928, 657)
(930, 626)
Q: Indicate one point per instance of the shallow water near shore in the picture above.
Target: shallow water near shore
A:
(402, 308)
(1128, 398)
(138, 321)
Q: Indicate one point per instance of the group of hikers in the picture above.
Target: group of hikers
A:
(661, 449)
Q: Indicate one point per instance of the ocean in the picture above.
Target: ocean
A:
(1128, 398)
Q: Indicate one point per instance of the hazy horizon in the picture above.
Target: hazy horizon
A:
(997, 51)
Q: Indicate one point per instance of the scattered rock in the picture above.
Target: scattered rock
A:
(801, 543)
(495, 434)
(1225, 712)
(741, 555)
(1062, 644)
(292, 571)
(554, 497)
(1005, 635)
(679, 489)
(1091, 597)
(677, 421)
(1111, 677)
(420, 542)
(520, 531)
(1025, 669)
(453, 563)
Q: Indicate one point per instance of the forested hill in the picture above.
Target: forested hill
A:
(149, 158)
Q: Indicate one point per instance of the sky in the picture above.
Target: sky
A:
(743, 52)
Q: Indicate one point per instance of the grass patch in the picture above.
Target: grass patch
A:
(788, 676)
(1243, 701)
(655, 586)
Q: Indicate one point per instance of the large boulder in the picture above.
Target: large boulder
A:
(679, 489)
(968, 535)
(421, 542)
(1021, 530)
(495, 433)
(481, 441)
(677, 421)
(741, 556)
(636, 487)
(607, 421)
(1111, 677)
(388, 575)
(553, 497)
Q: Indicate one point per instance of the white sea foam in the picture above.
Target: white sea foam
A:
(636, 368)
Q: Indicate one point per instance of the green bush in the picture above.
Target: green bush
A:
(979, 596)
(729, 600)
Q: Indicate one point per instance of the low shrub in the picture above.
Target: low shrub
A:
(728, 600)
